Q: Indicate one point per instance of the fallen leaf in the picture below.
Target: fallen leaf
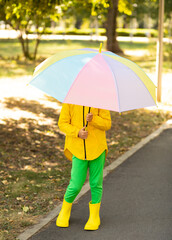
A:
(25, 209)
(5, 182)
(19, 198)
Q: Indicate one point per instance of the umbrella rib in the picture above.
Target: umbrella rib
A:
(137, 66)
(116, 85)
(76, 78)
(47, 63)
(139, 79)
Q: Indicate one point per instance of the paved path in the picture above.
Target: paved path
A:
(137, 200)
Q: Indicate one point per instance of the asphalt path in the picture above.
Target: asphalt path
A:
(136, 203)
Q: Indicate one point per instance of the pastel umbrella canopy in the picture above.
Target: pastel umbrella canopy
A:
(96, 79)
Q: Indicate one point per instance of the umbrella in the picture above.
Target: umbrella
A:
(99, 79)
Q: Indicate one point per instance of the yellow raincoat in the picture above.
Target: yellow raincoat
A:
(72, 119)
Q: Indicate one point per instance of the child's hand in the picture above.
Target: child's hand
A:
(82, 133)
(89, 117)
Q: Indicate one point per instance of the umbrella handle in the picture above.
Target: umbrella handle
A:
(87, 121)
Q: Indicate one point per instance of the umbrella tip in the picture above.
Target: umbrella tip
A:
(100, 48)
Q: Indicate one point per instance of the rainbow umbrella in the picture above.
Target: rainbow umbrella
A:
(96, 79)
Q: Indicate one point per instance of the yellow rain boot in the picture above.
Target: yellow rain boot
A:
(94, 218)
(64, 215)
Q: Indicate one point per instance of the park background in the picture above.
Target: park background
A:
(33, 170)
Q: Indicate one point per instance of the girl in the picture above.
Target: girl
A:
(87, 148)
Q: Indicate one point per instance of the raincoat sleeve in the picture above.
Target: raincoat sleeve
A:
(102, 121)
(64, 122)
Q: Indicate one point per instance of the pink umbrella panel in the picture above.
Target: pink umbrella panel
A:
(101, 80)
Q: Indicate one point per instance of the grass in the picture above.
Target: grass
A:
(102, 31)
(12, 63)
(34, 173)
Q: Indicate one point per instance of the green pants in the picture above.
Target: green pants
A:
(79, 174)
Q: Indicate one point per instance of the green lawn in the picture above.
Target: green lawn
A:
(13, 64)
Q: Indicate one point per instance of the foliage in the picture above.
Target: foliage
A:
(168, 8)
(125, 7)
(23, 15)
(34, 16)
(150, 8)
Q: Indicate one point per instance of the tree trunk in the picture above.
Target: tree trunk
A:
(36, 47)
(22, 44)
(25, 42)
(25, 46)
(78, 22)
(112, 43)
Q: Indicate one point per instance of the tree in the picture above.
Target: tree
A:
(78, 8)
(116, 6)
(104, 9)
(110, 9)
(150, 8)
(22, 15)
(111, 26)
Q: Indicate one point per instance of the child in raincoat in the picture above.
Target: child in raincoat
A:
(87, 148)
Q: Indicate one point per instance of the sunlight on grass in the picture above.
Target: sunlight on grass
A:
(13, 64)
